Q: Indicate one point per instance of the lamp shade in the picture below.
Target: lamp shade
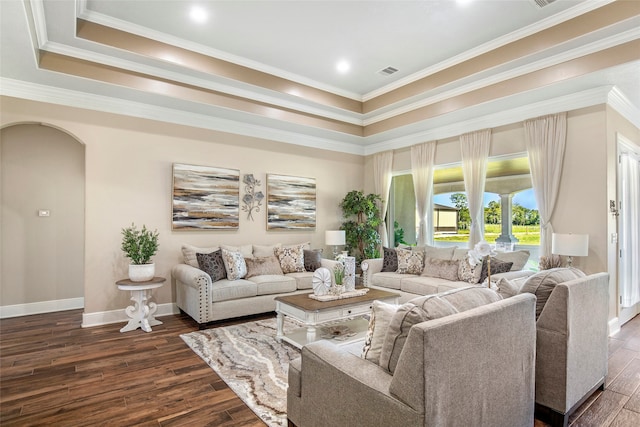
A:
(334, 237)
(570, 244)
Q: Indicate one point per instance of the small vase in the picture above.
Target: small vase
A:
(141, 272)
(337, 289)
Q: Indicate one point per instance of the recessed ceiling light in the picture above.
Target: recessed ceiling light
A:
(343, 66)
(198, 14)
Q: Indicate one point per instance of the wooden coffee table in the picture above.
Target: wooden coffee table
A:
(340, 314)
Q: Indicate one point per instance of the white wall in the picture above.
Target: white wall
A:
(128, 179)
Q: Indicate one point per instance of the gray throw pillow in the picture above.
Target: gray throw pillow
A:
(543, 283)
(212, 264)
(389, 260)
(312, 259)
(497, 266)
(442, 268)
(263, 266)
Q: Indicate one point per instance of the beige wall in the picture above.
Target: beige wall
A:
(128, 179)
(42, 257)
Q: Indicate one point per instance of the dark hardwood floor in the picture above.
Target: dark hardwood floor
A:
(53, 372)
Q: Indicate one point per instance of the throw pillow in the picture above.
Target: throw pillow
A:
(497, 266)
(381, 314)
(518, 258)
(439, 253)
(467, 272)
(312, 259)
(442, 268)
(291, 258)
(263, 266)
(265, 251)
(389, 260)
(543, 283)
(410, 262)
(506, 288)
(425, 308)
(234, 264)
(189, 254)
(213, 265)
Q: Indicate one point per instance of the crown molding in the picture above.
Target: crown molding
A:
(621, 104)
(541, 25)
(70, 98)
(128, 27)
(573, 101)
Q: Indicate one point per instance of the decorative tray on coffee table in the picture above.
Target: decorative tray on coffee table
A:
(330, 297)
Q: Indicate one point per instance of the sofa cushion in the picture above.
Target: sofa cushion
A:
(421, 285)
(262, 251)
(389, 260)
(381, 314)
(212, 264)
(291, 258)
(389, 280)
(410, 262)
(460, 253)
(426, 308)
(303, 280)
(234, 264)
(189, 253)
(259, 266)
(225, 289)
(312, 259)
(467, 272)
(442, 268)
(497, 267)
(518, 258)
(245, 250)
(274, 284)
(439, 253)
(543, 283)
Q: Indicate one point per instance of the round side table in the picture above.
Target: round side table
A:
(141, 313)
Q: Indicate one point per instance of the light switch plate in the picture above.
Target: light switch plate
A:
(44, 212)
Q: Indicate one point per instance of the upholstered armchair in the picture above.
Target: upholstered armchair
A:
(475, 368)
(572, 346)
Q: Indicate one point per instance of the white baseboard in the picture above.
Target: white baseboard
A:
(16, 310)
(614, 326)
(119, 316)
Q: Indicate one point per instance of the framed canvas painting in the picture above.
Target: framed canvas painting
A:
(291, 202)
(205, 198)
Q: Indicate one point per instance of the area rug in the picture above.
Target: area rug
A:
(253, 364)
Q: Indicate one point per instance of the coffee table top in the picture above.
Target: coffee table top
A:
(303, 301)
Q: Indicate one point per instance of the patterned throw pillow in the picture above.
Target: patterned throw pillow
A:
(389, 260)
(442, 268)
(312, 259)
(263, 266)
(497, 266)
(291, 258)
(213, 265)
(410, 262)
(469, 273)
(381, 314)
(234, 264)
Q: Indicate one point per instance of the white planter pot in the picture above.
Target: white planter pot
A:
(141, 272)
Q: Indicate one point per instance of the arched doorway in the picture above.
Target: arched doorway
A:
(42, 220)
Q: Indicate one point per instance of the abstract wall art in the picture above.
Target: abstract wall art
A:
(205, 198)
(291, 202)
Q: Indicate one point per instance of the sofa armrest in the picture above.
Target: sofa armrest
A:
(374, 265)
(190, 276)
(335, 383)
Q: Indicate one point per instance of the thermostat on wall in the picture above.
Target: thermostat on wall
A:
(44, 212)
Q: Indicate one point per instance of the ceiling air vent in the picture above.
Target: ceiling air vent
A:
(388, 71)
(543, 3)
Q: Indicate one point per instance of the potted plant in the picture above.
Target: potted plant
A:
(361, 228)
(140, 246)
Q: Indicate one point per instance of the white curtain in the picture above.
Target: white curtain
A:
(630, 229)
(422, 160)
(545, 138)
(475, 154)
(382, 174)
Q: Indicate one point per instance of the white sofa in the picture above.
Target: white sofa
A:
(411, 285)
(207, 301)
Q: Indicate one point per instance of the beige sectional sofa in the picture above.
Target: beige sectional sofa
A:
(411, 285)
(207, 300)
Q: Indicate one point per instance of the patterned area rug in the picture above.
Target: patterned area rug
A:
(252, 363)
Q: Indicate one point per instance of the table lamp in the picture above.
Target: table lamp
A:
(334, 238)
(570, 245)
